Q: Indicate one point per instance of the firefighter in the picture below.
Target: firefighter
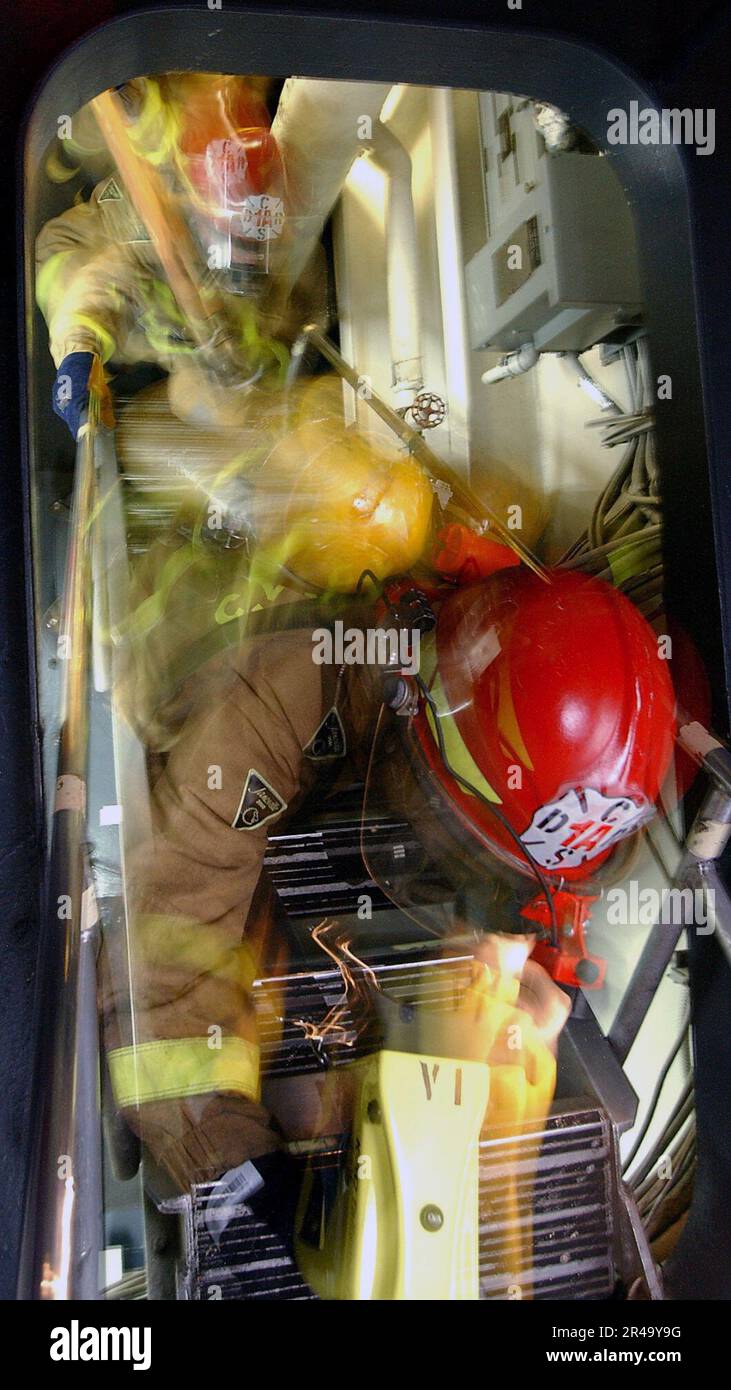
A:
(232, 639)
(100, 283)
(476, 750)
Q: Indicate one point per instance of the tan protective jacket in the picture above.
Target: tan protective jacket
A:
(243, 759)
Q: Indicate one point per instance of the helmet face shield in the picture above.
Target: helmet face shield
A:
(240, 263)
(437, 867)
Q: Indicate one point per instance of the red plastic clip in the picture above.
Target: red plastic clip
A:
(569, 963)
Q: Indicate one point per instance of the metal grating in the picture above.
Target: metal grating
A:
(563, 1173)
(280, 1002)
(559, 1172)
(320, 872)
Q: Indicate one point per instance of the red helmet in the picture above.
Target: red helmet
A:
(543, 733)
(232, 171)
(556, 696)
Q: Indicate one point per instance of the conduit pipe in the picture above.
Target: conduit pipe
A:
(402, 264)
(321, 127)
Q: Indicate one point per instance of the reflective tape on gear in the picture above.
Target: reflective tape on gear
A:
(105, 339)
(57, 171)
(455, 748)
(157, 118)
(177, 1067)
(46, 276)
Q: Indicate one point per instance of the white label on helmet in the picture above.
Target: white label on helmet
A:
(228, 172)
(262, 217)
(580, 824)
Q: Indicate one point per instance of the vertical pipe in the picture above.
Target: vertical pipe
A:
(402, 264)
(320, 128)
(451, 274)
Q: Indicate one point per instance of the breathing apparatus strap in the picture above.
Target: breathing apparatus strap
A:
(284, 617)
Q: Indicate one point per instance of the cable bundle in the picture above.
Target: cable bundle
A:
(623, 541)
(661, 1200)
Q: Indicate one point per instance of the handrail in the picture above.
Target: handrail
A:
(63, 1204)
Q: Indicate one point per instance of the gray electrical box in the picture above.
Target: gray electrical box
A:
(559, 268)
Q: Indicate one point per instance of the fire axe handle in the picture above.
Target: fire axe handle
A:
(175, 248)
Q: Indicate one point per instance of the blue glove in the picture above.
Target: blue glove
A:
(70, 395)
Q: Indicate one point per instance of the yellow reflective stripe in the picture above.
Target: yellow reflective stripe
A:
(46, 276)
(161, 316)
(458, 754)
(251, 338)
(161, 296)
(106, 341)
(141, 131)
(507, 720)
(184, 1067)
(150, 108)
(151, 610)
(57, 171)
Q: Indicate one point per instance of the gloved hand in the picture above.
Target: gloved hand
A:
(198, 1138)
(70, 394)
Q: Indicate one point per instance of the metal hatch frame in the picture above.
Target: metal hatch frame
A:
(655, 179)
